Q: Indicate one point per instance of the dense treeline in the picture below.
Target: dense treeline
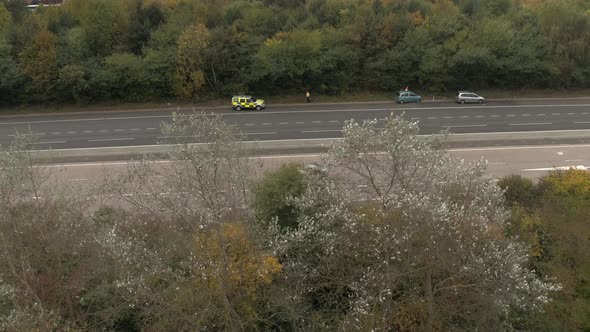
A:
(135, 50)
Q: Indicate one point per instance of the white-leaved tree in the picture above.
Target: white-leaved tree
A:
(436, 257)
(203, 185)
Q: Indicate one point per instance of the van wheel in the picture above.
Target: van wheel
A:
(462, 101)
(480, 101)
(401, 101)
(238, 108)
(258, 108)
(419, 100)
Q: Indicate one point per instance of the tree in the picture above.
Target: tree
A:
(144, 21)
(190, 62)
(206, 182)
(126, 73)
(12, 79)
(104, 24)
(72, 84)
(556, 230)
(5, 18)
(519, 191)
(40, 63)
(436, 238)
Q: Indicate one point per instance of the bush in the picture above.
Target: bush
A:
(273, 194)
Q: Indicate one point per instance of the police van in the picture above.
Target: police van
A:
(247, 103)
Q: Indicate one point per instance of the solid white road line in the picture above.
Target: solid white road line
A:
(465, 126)
(111, 139)
(556, 168)
(524, 147)
(52, 142)
(531, 124)
(321, 131)
(262, 133)
(582, 122)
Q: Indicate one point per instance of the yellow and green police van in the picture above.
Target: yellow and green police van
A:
(247, 103)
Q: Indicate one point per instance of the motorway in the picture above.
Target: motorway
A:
(126, 128)
(528, 161)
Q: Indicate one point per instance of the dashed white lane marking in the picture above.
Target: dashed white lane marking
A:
(431, 117)
(463, 116)
(570, 113)
(447, 117)
(582, 122)
(333, 121)
(56, 133)
(321, 131)
(555, 113)
(81, 179)
(299, 122)
(262, 133)
(531, 124)
(266, 124)
(135, 129)
(414, 118)
(118, 130)
(465, 126)
(496, 163)
(103, 130)
(525, 115)
(316, 122)
(71, 132)
(53, 142)
(249, 124)
(87, 131)
(540, 114)
(480, 116)
(150, 128)
(570, 160)
(283, 123)
(111, 139)
(291, 112)
(585, 113)
(510, 115)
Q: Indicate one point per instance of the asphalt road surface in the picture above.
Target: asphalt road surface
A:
(528, 161)
(126, 128)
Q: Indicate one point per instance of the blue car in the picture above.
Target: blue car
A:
(402, 97)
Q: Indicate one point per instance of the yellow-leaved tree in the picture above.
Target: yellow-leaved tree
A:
(190, 61)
